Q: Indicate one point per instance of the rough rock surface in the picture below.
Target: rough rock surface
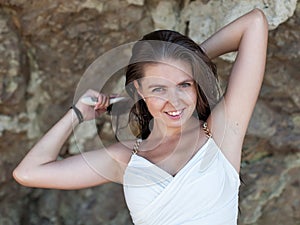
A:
(45, 47)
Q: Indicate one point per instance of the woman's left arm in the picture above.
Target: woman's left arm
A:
(248, 35)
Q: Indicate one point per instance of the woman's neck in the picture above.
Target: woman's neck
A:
(172, 138)
(163, 134)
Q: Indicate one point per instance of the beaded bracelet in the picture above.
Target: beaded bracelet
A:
(78, 113)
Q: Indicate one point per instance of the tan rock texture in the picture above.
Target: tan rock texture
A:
(47, 45)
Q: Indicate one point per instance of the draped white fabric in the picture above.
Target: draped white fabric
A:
(203, 192)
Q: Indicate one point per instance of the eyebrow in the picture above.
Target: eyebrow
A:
(156, 85)
(161, 85)
(186, 81)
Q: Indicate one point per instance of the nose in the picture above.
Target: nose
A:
(174, 97)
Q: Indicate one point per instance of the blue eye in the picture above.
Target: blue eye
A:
(184, 85)
(158, 89)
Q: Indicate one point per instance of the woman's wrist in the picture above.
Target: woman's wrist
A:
(78, 113)
(74, 118)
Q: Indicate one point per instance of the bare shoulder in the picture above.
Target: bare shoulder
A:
(121, 151)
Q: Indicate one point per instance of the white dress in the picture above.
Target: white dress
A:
(204, 192)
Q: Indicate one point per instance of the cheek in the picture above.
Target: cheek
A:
(190, 97)
(155, 105)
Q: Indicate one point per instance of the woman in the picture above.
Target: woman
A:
(185, 162)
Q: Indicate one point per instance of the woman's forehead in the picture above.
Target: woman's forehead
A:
(174, 71)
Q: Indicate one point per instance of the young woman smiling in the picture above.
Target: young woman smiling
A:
(183, 166)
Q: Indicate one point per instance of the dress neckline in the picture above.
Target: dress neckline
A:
(136, 146)
(199, 152)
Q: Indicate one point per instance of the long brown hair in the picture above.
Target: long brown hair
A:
(165, 44)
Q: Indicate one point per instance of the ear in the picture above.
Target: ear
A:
(138, 88)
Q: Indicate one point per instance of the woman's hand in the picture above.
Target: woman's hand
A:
(91, 112)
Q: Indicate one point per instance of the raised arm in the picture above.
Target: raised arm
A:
(40, 167)
(248, 35)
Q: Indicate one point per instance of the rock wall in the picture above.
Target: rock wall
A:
(45, 47)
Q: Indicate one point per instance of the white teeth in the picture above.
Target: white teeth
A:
(176, 113)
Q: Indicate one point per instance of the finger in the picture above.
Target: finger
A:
(103, 102)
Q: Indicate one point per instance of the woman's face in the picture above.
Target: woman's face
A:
(168, 89)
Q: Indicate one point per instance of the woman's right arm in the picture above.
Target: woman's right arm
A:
(40, 167)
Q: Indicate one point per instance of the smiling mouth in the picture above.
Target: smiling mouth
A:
(174, 113)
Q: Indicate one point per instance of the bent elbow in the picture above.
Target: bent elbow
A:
(21, 177)
(260, 18)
